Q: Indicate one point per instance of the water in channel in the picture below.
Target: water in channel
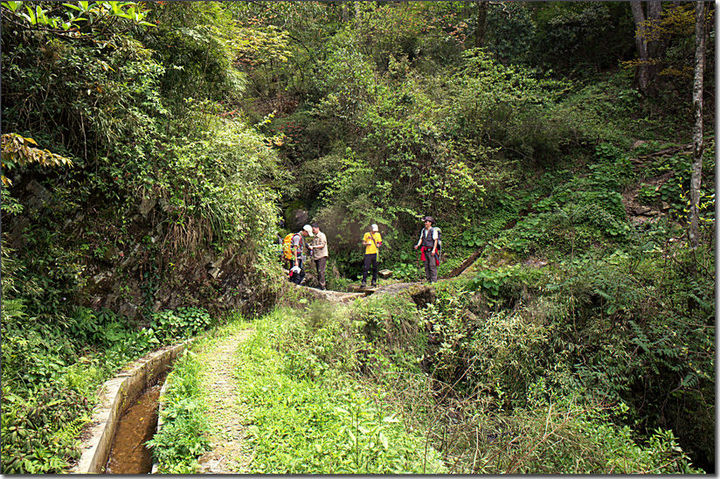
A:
(128, 454)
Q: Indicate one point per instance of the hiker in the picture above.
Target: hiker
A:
(372, 241)
(297, 275)
(429, 248)
(319, 253)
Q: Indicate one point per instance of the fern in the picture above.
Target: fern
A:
(71, 431)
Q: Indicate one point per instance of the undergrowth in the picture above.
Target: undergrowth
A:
(51, 374)
(505, 389)
(183, 436)
(309, 416)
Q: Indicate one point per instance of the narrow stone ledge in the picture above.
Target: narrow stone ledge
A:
(116, 395)
(158, 426)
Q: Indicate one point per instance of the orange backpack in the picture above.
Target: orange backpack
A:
(287, 246)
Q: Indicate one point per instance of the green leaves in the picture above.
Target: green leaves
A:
(472, 238)
(40, 431)
(94, 13)
(47, 389)
(19, 151)
(12, 6)
(184, 322)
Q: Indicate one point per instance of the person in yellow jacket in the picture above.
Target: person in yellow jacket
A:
(372, 241)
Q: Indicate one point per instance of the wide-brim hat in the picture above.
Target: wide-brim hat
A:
(429, 218)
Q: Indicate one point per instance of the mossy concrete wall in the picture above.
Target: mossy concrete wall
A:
(158, 426)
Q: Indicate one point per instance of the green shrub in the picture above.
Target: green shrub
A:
(492, 357)
(40, 432)
(506, 282)
(573, 438)
(184, 322)
(578, 213)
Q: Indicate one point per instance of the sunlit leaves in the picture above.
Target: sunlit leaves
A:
(19, 151)
(259, 46)
(54, 18)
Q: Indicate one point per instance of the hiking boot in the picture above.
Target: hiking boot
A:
(363, 285)
(373, 285)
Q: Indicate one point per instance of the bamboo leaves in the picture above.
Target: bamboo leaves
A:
(19, 151)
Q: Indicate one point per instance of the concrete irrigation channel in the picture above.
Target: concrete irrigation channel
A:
(125, 417)
(127, 413)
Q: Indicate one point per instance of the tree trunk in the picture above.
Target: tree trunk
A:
(698, 130)
(655, 48)
(643, 74)
(482, 9)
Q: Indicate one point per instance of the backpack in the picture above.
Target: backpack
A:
(287, 246)
(439, 232)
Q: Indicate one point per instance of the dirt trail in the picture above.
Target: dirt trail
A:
(230, 452)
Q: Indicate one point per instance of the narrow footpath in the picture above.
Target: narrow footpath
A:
(229, 453)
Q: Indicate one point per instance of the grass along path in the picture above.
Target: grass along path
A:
(202, 421)
(229, 450)
(307, 415)
(266, 402)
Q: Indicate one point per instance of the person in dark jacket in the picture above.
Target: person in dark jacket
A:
(297, 272)
(428, 244)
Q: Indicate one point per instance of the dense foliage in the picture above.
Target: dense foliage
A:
(153, 151)
(157, 184)
(532, 147)
(522, 377)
